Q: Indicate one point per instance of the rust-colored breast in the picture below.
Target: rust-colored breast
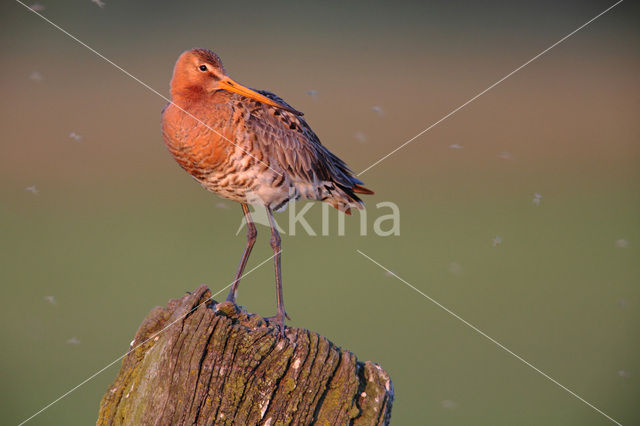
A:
(197, 148)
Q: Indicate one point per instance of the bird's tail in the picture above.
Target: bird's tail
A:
(359, 189)
(347, 197)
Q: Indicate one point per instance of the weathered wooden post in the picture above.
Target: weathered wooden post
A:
(208, 363)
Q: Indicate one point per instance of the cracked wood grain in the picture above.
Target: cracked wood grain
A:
(221, 365)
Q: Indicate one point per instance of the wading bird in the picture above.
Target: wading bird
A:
(239, 142)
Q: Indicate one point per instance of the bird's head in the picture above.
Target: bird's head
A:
(200, 71)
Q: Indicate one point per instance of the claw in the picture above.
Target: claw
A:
(278, 321)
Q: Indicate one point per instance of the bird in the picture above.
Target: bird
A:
(246, 144)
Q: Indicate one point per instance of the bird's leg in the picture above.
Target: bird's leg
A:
(275, 245)
(252, 233)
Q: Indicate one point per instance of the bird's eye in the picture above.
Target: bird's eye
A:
(203, 67)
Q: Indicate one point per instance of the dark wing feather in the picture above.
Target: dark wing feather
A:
(298, 150)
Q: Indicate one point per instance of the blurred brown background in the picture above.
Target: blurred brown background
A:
(116, 227)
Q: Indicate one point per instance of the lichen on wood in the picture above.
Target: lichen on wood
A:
(200, 362)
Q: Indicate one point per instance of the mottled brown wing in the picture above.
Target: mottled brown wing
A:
(298, 150)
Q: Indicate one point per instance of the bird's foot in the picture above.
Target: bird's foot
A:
(278, 320)
(233, 292)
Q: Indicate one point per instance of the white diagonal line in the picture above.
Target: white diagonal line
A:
(482, 333)
(490, 87)
(146, 85)
(137, 346)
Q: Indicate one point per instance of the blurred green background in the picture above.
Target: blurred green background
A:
(117, 228)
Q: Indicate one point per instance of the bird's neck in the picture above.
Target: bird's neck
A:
(188, 95)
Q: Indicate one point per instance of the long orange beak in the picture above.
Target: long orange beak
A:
(228, 84)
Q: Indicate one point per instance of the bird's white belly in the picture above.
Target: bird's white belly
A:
(265, 192)
(253, 187)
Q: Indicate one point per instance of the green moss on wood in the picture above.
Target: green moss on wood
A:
(222, 365)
